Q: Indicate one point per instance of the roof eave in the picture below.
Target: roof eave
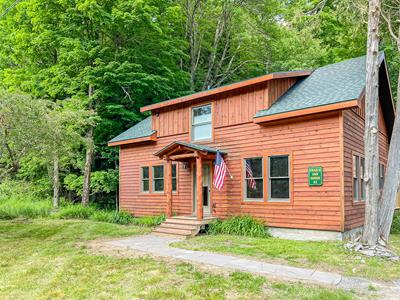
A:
(150, 138)
(307, 111)
(226, 88)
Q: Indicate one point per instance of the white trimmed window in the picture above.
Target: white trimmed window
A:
(279, 178)
(201, 123)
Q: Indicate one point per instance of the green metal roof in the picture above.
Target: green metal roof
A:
(192, 146)
(330, 84)
(141, 129)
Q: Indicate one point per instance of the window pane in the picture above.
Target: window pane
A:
(355, 188)
(279, 166)
(255, 165)
(256, 193)
(202, 114)
(158, 185)
(381, 175)
(145, 185)
(145, 172)
(173, 170)
(280, 188)
(158, 172)
(174, 184)
(202, 132)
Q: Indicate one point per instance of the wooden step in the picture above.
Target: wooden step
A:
(183, 221)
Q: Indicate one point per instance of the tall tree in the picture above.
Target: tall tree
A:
(371, 143)
(391, 14)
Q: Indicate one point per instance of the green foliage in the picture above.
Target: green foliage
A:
(22, 200)
(239, 225)
(75, 211)
(396, 223)
(149, 221)
(121, 218)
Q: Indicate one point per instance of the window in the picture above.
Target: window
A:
(362, 175)
(145, 179)
(254, 181)
(201, 123)
(356, 172)
(279, 187)
(381, 175)
(158, 178)
(358, 178)
(174, 186)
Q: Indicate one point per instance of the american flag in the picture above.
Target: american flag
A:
(219, 171)
(249, 176)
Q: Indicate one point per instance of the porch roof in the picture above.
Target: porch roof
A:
(182, 148)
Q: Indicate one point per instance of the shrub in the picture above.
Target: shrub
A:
(239, 225)
(150, 221)
(396, 223)
(75, 211)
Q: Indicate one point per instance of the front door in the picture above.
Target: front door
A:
(206, 189)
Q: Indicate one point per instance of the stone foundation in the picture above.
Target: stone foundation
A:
(313, 235)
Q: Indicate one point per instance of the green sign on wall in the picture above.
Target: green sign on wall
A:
(315, 176)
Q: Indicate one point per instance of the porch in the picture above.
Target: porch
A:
(201, 158)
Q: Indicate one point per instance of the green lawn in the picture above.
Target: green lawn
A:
(328, 256)
(48, 259)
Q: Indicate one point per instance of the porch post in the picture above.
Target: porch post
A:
(199, 171)
(168, 187)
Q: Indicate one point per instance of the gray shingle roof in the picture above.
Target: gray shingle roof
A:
(330, 84)
(141, 129)
(192, 146)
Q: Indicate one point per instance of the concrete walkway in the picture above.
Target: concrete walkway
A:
(159, 246)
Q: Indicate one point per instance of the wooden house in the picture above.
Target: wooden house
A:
(300, 133)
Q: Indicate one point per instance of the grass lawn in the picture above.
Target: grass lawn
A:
(327, 256)
(48, 259)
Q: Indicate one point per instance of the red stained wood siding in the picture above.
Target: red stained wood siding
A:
(230, 108)
(353, 133)
(309, 142)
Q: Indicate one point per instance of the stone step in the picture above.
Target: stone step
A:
(173, 231)
(180, 226)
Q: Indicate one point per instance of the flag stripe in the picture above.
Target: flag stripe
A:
(219, 171)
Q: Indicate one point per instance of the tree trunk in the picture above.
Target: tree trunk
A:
(371, 145)
(56, 183)
(392, 176)
(88, 160)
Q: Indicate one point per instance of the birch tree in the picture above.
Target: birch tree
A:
(371, 143)
(391, 14)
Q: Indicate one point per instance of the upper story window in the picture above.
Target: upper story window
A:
(279, 180)
(201, 123)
